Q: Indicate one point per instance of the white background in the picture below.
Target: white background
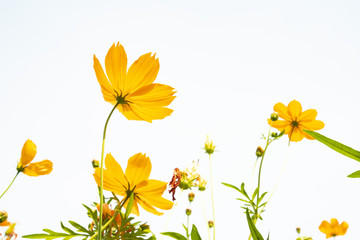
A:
(229, 61)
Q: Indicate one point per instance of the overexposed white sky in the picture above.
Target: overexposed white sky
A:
(229, 61)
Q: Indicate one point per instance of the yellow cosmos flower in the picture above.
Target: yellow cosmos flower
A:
(295, 120)
(147, 193)
(133, 90)
(333, 228)
(32, 169)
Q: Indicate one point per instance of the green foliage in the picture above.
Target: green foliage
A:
(253, 230)
(52, 235)
(174, 235)
(355, 174)
(255, 202)
(338, 147)
(194, 233)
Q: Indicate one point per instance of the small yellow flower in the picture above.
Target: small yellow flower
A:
(333, 228)
(295, 120)
(32, 169)
(138, 98)
(147, 193)
(209, 146)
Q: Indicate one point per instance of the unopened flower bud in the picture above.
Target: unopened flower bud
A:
(3, 216)
(259, 152)
(211, 224)
(274, 134)
(274, 117)
(209, 146)
(298, 230)
(188, 211)
(95, 163)
(191, 196)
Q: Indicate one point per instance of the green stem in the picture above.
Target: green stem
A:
(212, 195)
(187, 227)
(10, 184)
(261, 162)
(101, 171)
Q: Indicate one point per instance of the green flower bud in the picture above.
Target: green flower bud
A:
(259, 152)
(211, 224)
(95, 163)
(3, 216)
(191, 196)
(188, 211)
(274, 117)
(298, 230)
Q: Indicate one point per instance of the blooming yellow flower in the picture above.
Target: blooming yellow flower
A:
(295, 120)
(147, 192)
(133, 90)
(32, 169)
(333, 228)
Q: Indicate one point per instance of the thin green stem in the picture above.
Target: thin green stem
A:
(212, 195)
(187, 227)
(261, 162)
(10, 184)
(101, 171)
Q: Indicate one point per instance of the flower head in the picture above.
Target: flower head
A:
(32, 169)
(3, 219)
(295, 120)
(147, 192)
(209, 146)
(333, 228)
(133, 90)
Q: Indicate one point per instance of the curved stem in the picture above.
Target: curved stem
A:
(101, 171)
(260, 167)
(10, 184)
(212, 195)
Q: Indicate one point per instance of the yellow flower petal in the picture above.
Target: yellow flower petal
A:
(154, 187)
(136, 112)
(294, 109)
(333, 228)
(313, 125)
(115, 170)
(28, 152)
(141, 73)
(158, 202)
(153, 95)
(110, 183)
(138, 169)
(282, 110)
(116, 66)
(106, 89)
(296, 135)
(308, 115)
(39, 168)
(145, 205)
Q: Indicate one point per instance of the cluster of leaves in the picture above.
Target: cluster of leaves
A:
(125, 230)
(255, 202)
(194, 234)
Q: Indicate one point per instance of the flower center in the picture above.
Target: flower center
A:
(295, 123)
(121, 99)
